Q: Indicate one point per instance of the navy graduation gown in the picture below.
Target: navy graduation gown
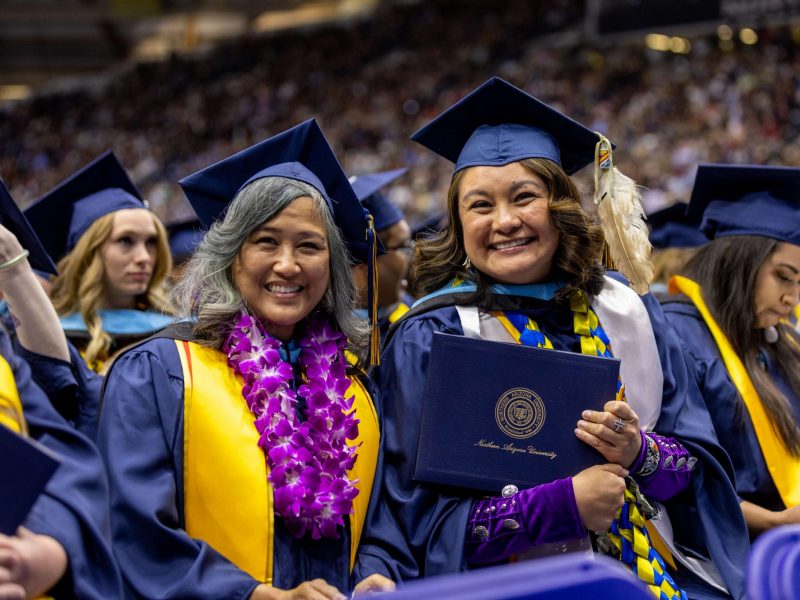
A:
(732, 423)
(416, 530)
(74, 508)
(141, 438)
(73, 388)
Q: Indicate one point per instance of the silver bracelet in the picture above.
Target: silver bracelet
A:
(652, 458)
(15, 260)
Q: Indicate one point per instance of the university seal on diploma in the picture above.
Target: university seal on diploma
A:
(520, 413)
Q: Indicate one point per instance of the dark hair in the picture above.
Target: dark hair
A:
(577, 259)
(726, 269)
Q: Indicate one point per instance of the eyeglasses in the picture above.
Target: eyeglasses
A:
(405, 248)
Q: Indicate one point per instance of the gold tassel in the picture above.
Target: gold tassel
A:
(375, 330)
(619, 205)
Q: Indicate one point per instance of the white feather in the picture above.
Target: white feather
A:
(619, 205)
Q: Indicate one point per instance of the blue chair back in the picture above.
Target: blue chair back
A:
(570, 576)
(773, 569)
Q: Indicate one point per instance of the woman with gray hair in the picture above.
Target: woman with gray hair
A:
(242, 444)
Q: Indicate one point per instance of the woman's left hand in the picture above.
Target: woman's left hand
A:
(372, 584)
(614, 433)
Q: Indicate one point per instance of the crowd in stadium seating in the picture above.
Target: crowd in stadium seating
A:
(371, 83)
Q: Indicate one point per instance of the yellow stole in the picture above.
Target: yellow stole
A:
(11, 415)
(227, 498)
(783, 467)
(399, 311)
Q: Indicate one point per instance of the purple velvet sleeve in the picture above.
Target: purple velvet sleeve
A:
(500, 527)
(663, 468)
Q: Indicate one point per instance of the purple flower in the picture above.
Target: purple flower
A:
(308, 461)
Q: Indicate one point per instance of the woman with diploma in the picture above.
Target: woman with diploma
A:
(241, 446)
(519, 261)
(731, 309)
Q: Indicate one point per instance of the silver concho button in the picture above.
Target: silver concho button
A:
(509, 491)
(681, 461)
(668, 460)
(510, 524)
(690, 464)
(481, 532)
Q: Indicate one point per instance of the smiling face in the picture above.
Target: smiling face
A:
(283, 267)
(506, 223)
(129, 257)
(777, 289)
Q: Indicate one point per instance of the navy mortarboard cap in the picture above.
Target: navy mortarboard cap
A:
(747, 200)
(671, 228)
(498, 124)
(12, 219)
(301, 153)
(64, 214)
(184, 236)
(367, 187)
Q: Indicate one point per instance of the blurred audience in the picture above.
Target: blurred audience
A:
(667, 112)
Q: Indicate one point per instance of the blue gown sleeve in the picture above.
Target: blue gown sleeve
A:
(706, 518)
(141, 440)
(413, 530)
(74, 507)
(731, 422)
(73, 388)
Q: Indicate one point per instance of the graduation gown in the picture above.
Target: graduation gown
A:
(417, 530)
(142, 439)
(73, 388)
(74, 508)
(732, 422)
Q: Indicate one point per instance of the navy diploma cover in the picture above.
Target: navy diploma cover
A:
(25, 468)
(497, 413)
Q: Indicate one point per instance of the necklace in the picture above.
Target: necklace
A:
(308, 461)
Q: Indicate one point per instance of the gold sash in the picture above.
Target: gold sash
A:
(399, 311)
(227, 498)
(11, 414)
(783, 467)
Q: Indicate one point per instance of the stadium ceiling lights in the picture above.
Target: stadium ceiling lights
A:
(666, 43)
(11, 93)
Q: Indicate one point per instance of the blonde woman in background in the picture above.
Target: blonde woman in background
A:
(113, 260)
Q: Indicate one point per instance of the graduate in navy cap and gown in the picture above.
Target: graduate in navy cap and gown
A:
(63, 548)
(241, 447)
(33, 326)
(394, 234)
(519, 262)
(731, 308)
(113, 259)
(674, 238)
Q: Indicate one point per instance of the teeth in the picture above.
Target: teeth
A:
(512, 244)
(282, 288)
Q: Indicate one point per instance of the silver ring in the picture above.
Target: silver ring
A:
(619, 425)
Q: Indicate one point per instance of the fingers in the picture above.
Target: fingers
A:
(374, 583)
(596, 442)
(622, 410)
(324, 590)
(614, 468)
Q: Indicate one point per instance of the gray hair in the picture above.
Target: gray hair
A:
(206, 291)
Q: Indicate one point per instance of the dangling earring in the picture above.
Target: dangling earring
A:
(771, 334)
(467, 263)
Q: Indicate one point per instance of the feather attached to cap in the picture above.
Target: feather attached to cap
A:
(619, 205)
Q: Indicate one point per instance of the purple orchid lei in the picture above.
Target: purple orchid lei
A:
(308, 461)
